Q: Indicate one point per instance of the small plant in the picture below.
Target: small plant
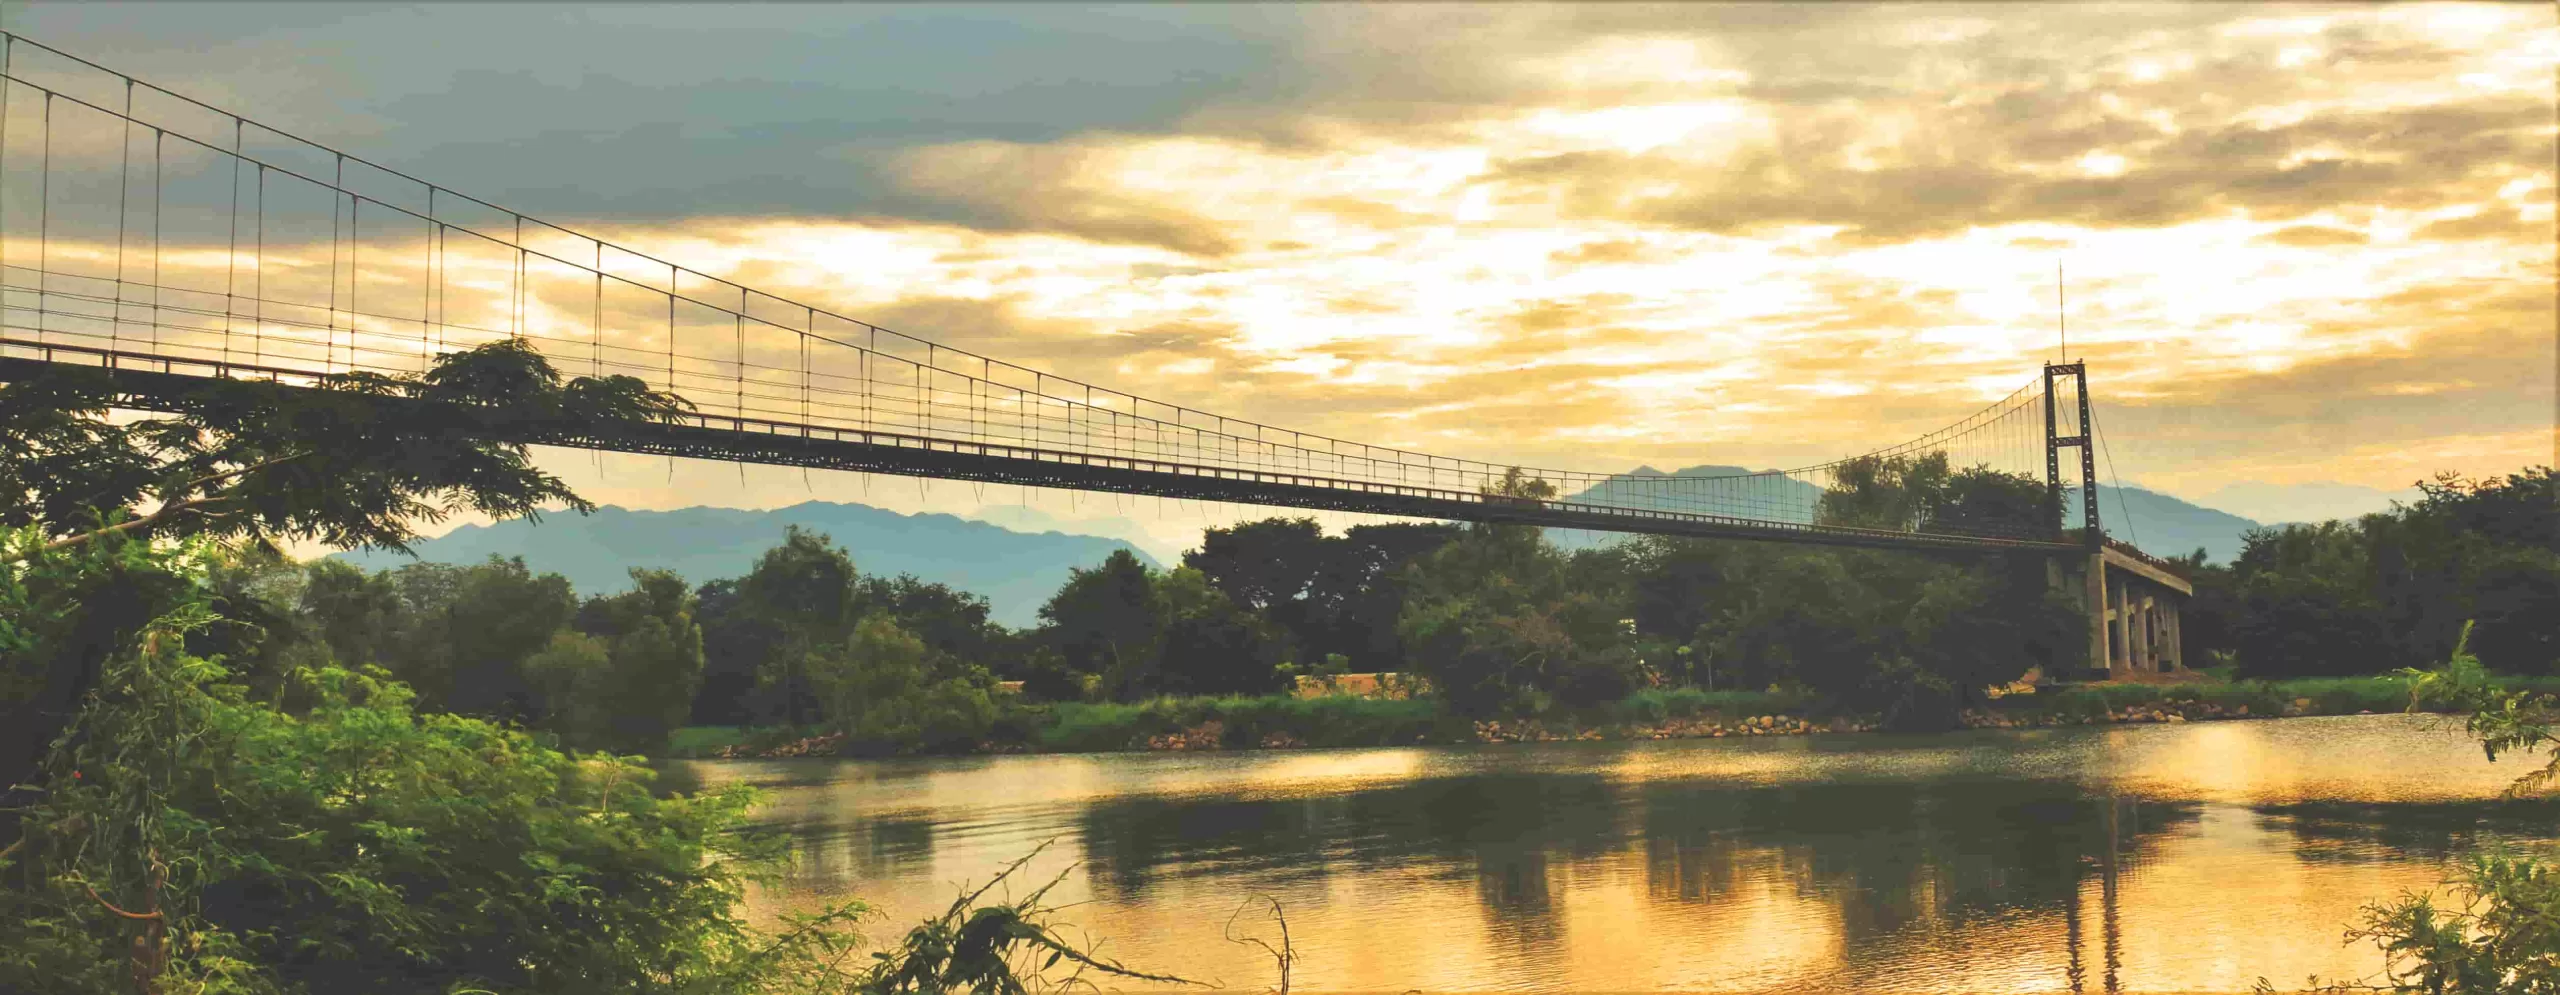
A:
(990, 949)
(1284, 956)
(2502, 932)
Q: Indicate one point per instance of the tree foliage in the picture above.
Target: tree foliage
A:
(2501, 932)
(1501, 621)
(357, 460)
(2394, 589)
(1104, 619)
(195, 838)
(804, 591)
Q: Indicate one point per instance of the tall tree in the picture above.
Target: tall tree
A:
(1983, 501)
(1208, 644)
(735, 644)
(1361, 591)
(880, 687)
(497, 616)
(1104, 619)
(354, 460)
(1264, 565)
(950, 621)
(636, 682)
(1500, 621)
(2309, 603)
(354, 613)
(805, 589)
(1884, 492)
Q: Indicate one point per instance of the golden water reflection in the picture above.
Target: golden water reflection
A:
(2134, 859)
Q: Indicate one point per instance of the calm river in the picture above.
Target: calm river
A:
(2156, 858)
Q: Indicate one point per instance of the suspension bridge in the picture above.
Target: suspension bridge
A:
(171, 241)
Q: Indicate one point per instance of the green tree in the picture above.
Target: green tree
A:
(1261, 565)
(1104, 619)
(354, 613)
(2394, 588)
(1982, 501)
(1500, 621)
(1271, 568)
(467, 654)
(656, 658)
(569, 672)
(736, 642)
(212, 842)
(805, 590)
(879, 688)
(627, 677)
(2310, 604)
(1208, 645)
(952, 622)
(356, 460)
(1908, 637)
(1360, 594)
(2485, 550)
(1884, 492)
(1328, 594)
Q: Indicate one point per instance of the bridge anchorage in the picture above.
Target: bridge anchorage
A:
(175, 243)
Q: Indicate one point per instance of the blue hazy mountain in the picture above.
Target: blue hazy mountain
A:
(1769, 497)
(2311, 502)
(1785, 498)
(2160, 524)
(2166, 526)
(1015, 571)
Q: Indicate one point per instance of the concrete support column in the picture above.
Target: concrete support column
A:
(2132, 628)
(2177, 637)
(2119, 627)
(2151, 633)
(2098, 611)
(2141, 641)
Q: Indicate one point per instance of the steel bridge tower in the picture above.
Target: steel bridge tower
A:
(2133, 600)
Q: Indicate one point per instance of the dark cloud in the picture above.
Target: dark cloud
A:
(653, 113)
(1013, 187)
(2314, 237)
(2492, 223)
(2474, 358)
(2416, 158)
(666, 111)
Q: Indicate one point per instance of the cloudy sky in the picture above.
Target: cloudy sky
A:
(2307, 247)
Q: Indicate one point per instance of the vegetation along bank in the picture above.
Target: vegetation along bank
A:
(1344, 720)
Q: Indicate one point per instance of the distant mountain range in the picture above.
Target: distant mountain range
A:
(2165, 526)
(1015, 571)
(2312, 502)
(2160, 524)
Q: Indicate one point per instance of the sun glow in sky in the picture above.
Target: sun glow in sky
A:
(2303, 243)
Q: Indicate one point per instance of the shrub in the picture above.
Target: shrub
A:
(196, 840)
(880, 690)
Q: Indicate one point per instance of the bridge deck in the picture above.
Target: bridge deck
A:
(154, 382)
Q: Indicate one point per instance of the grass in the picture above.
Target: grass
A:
(1348, 721)
(2304, 695)
(704, 741)
(1331, 720)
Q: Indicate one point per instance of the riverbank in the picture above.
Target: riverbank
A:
(1345, 720)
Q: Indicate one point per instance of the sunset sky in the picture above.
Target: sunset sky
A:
(2305, 246)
